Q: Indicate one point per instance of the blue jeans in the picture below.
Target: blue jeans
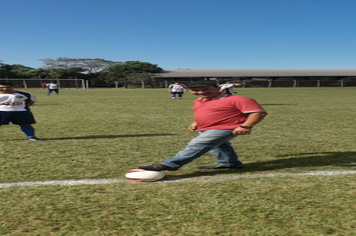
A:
(215, 141)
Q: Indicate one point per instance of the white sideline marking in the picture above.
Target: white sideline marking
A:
(175, 179)
(61, 182)
(254, 176)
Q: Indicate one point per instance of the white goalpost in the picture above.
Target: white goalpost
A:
(38, 83)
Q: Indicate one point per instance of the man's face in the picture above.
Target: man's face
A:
(6, 89)
(205, 92)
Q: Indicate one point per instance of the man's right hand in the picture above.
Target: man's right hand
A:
(193, 126)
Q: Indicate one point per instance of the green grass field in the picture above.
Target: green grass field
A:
(103, 133)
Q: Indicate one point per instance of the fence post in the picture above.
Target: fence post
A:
(83, 84)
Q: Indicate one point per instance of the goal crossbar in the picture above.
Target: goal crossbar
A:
(39, 83)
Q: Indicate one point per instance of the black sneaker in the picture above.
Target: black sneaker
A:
(34, 139)
(158, 167)
(219, 166)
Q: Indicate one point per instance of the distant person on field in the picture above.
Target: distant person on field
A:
(177, 89)
(14, 108)
(227, 88)
(218, 118)
(53, 86)
(44, 85)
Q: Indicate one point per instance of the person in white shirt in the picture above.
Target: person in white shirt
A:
(15, 108)
(227, 87)
(53, 87)
(177, 89)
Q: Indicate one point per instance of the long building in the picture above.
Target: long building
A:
(265, 77)
(255, 73)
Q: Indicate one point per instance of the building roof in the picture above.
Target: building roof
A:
(251, 73)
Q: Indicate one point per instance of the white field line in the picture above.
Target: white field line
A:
(220, 177)
(212, 178)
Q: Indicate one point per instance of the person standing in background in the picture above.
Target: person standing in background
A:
(177, 89)
(15, 108)
(227, 88)
(44, 85)
(53, 86)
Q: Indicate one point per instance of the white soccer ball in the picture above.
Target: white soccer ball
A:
(144, 175)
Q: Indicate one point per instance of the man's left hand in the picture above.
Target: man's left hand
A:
(241, 131)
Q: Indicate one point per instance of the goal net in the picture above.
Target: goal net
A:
(40, 83)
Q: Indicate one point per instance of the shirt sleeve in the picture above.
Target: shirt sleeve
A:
(248, 105)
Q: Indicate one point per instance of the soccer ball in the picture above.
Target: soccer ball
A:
(141, 175)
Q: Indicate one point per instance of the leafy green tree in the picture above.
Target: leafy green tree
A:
(14, 71)
(38, 73)
(64, 67)
(131, 72)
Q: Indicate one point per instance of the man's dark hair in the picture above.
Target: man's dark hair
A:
(204, 83)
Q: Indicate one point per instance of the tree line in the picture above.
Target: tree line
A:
(99, 72)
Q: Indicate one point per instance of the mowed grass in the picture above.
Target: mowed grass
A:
(102, 133)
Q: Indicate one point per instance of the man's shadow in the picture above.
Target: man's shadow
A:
(322, 159)
(109, 136)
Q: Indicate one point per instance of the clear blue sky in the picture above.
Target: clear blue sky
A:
(185, 34)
